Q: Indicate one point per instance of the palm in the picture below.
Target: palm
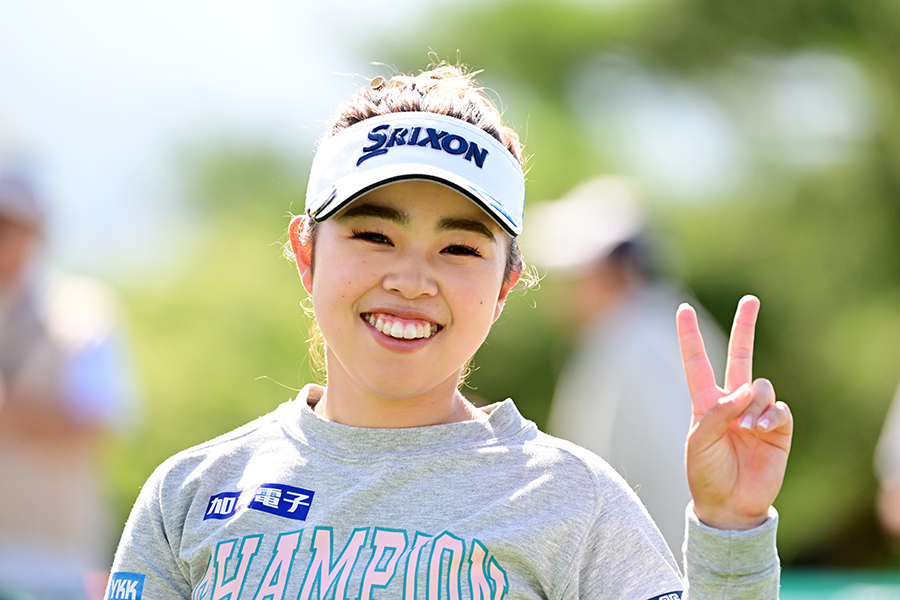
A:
(734, 471)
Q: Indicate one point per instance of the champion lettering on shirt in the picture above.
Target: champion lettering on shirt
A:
(373, 562)
(384, 138)
(669, 596)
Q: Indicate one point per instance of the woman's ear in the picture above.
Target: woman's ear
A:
(509, 284)
(301, 244)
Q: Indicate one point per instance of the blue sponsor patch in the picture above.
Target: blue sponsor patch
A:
(125, 586)
(274, 498)
(669, 596)
(282, 500)
(222, 506)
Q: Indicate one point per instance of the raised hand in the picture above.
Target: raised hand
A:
(740, 436)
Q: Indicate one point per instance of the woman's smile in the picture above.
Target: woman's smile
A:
(401, 329)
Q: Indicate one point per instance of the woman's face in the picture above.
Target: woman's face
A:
(408, 280)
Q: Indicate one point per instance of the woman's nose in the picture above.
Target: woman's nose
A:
(411, 277)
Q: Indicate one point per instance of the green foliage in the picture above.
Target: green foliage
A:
(221, 338)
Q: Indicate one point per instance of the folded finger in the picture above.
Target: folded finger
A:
(776, 417)
(763, 397)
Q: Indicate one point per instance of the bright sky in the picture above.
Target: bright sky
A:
(102, 94)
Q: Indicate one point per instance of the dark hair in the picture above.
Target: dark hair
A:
(443, 89)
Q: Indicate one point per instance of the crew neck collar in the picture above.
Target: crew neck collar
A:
(504, 421)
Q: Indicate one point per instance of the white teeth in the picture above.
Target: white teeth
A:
(396, 329)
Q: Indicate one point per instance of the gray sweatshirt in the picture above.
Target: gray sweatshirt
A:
(294, 506)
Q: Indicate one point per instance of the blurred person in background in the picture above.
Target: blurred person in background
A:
(623, 393)
(887, 471)
(63, 384)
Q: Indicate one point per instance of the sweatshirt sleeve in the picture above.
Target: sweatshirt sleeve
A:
(731, 565)
(146, 565)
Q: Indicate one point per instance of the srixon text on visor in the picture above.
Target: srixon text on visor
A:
(422, 138)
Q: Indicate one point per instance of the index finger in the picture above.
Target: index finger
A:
(697, 369)
(739, 368)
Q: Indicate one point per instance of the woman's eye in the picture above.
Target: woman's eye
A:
(371, 236)
(462, 249)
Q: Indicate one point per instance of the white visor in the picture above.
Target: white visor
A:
(417, 145)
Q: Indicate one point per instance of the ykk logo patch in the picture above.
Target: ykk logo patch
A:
(125, 586)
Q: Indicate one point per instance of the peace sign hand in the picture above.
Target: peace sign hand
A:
(740, 437)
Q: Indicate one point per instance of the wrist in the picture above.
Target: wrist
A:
(729, 521)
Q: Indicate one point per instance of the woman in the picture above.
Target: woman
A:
(387, 482)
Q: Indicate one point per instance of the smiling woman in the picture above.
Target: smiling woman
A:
(408, 250)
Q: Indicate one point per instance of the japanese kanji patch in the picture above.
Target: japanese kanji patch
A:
(273, 498)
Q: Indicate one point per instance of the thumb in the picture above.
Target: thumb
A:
(712, 424)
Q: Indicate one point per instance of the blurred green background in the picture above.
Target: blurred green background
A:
(766, 136)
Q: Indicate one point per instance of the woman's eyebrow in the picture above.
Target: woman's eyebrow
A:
(367, 209)
(471, 225)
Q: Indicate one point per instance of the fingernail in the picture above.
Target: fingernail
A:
(764, 424)
(747, 422)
